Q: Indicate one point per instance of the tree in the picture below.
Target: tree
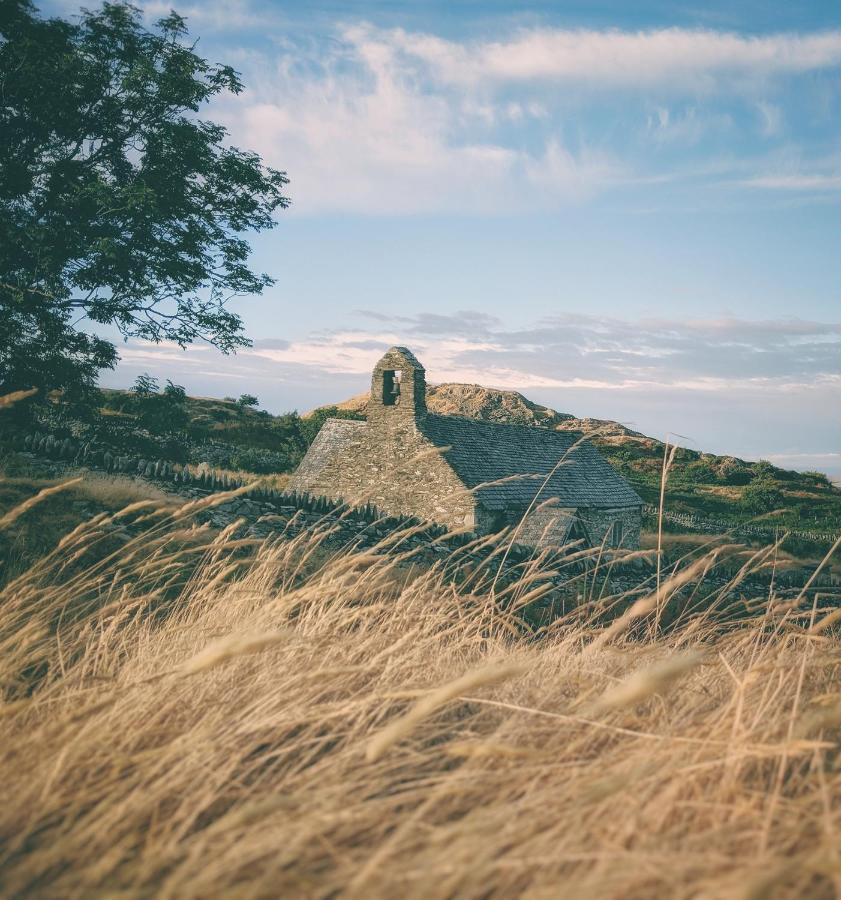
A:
(145, 385)
(247, 401)
(118, 205)
(159, 412)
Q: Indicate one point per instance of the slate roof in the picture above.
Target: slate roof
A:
(482, 452)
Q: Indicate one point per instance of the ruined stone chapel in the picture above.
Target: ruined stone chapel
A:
(462, 472)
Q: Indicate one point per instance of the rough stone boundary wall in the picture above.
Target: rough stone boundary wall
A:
(711, 526)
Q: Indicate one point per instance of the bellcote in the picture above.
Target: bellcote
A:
(398, 388)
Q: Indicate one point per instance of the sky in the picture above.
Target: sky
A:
(624, 211)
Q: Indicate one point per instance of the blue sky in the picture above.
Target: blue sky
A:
(627, 211)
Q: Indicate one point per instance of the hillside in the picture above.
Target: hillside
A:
(716, 492)
(721, 490)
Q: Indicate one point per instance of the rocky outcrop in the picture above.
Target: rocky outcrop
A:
(509, 407)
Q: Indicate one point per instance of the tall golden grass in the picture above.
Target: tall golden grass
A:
(198, 714)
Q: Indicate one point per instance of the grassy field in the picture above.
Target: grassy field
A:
(189, 714)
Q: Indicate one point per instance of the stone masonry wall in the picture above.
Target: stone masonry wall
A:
(546, 526)
(549, 526)
(599, 522)
(392, 466)
(267, 513)
(388, 462)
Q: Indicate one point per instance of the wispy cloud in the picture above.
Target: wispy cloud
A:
(795, 181)
(387, 121)
(359, 133)
(750, 388)
(765, 358)
(613, 58)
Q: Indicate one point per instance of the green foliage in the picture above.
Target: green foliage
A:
(761, 495)
(763, 469)
(128, 437)
(711, 487)
(247, 401)
(263, 462)
(819, 477)
(144, 386)
(160, 413)
(698, 472)
(118, 204)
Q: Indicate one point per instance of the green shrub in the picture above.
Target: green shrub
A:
(262, 462)
(819, 477)
(761, 496)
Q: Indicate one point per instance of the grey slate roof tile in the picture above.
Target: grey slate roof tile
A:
(483, 452)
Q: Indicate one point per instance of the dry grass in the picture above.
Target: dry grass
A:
(96, 487)
(36, 511)
(672, 541)
(196, 715)
(277, 481)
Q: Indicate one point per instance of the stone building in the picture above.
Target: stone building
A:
(462, 472)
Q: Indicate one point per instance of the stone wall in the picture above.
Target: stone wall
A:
(598, 524)
(546, 525)
(410, 401)
(387, 461)
(393, 462)
(266, 513)
(392, 466)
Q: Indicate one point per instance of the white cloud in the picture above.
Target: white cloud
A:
(771, 118)
(387, 121)
(795, 181)
(380, 121)
(614, 58)
(687, 126)
(359, 132)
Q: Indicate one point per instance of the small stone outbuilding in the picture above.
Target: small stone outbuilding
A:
(462, 472)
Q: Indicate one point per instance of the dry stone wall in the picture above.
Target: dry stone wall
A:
(718, 526)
